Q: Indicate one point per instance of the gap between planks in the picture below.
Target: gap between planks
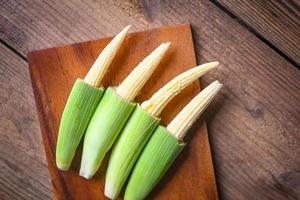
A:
(225, 10)
(254, 32)
(11, 48)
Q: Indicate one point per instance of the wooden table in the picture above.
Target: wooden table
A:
(254, 124)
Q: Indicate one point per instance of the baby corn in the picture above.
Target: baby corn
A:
(82, 102)
(140, 126)
(113, 111)
(165, 145)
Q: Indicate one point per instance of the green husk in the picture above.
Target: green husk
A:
(78, 111)
(164, 146)
(136, 132)
(105, 125)
(82, 103)
(126, 150)
(156, 158)
(114, 110)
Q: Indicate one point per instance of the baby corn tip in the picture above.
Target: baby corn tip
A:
(168, 44)
(126, 29)
(217, 84)
(211, 65)
(216, 63)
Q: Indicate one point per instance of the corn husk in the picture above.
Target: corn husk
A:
(127, 149)
(79, 109)
(82, 102)
(141, 125)
(108, 120)
(165, 145)
(158, 155)
(105, 125)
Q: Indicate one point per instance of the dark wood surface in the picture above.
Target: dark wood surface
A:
(253, 126)
(54, 71)
(274, 21)
(23, 168)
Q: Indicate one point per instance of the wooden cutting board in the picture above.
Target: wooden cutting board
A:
(53, 73)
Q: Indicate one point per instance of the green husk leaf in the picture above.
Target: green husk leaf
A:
(108, 120)
(127, 148)
(164, 145)
(78, 111)
(156, 158)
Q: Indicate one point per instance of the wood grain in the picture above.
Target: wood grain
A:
(53, 73)
(277, 21)
(23, 170)
(254, 125)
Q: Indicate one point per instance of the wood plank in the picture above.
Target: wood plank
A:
(46, 24)
(276, 21)
(253, 128)
(55, 70)
(23, 173)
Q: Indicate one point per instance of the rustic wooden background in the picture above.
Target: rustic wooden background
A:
(254, 125)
